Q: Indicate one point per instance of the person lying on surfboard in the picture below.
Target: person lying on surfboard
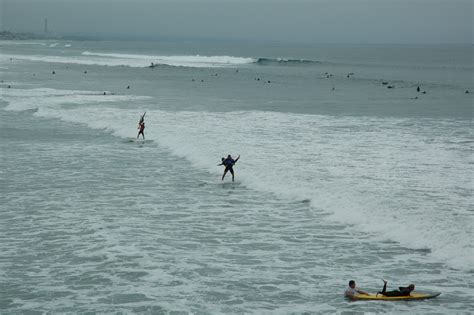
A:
(141, 127)
(402, 291)
(229, 162)
(351, 290)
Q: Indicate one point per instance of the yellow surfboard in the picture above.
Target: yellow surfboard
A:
(412, 296)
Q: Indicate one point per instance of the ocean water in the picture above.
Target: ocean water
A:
(340, 177)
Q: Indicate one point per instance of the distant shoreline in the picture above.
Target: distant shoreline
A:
(6, 35)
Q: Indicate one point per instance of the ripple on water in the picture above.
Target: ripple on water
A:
(108, 236)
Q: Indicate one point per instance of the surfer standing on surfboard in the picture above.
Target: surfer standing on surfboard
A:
(229, 162)
(141, 127)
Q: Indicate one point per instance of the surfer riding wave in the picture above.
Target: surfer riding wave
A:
(141, 127)
(229, 162)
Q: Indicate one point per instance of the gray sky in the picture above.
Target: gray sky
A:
(307, 21)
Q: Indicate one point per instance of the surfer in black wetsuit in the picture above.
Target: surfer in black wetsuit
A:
(229, 162)
(141, 127)
(402, 291)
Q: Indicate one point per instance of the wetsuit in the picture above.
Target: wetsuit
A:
(229, 163)
(402, 291)
(141, 126)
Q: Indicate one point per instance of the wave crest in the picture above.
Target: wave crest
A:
(179, 60)
(286, 62)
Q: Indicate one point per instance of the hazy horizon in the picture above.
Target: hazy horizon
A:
(302, 21)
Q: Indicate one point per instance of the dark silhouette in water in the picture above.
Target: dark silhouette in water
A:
(141, 126)
(402, 291)
(229, 163)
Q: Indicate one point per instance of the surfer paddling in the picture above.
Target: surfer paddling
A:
(141, 126)
(229, 163)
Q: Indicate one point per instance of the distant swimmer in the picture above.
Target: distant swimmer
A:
(229, 163)
(402, 291)
(467, 92)
(141, 126)
(351, 290)
(152, 65)
(418, 89)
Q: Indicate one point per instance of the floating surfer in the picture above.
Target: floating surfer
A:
(141, 126)
(402, 291)
(229, 163)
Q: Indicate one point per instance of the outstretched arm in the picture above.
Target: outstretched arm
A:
(235, 161)
(362, 292)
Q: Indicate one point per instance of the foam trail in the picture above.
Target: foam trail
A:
(400, 190)
(76, 60)
(379, 174)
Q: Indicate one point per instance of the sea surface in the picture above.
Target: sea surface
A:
(345, 172)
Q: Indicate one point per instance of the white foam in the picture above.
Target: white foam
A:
(73, 60)
(380, 175)
(372, 173)
(52, 100)
(180, 60)
(138, 61)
